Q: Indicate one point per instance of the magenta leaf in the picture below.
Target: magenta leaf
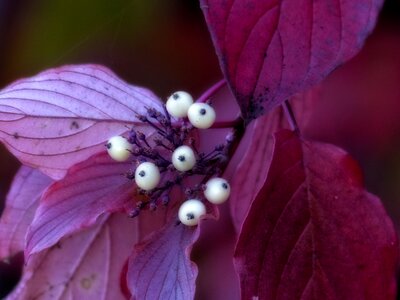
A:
(89, 190)
(272, 49)
(63, 116)
(86, 265)
(160, 267)
(314, 232)
(21, 203)
(250, 176)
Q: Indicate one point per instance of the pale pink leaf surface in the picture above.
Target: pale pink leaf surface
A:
(87, 265)
(22, 200)
(63, 116)
(314, 232)
(89, 190)
(253, 166)
(272, 49)
(160, 267)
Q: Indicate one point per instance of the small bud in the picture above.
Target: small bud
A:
(134, 213)
(137, 151)
(219, 147)
(153, 113)
(132, 137)
(188, 192)
(158, 141)
(130, 175)
(141, 136)
(152, 206)
(165, 199)
(141, 118)
(230, 138)
(140, 204)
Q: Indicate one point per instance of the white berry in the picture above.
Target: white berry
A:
(217, 190)
(178, 104)
(119, 148)
(201, 115)
(191, 211)
(183, 158)
(147, 176)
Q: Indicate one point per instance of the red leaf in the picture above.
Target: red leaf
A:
(89, 190)
(253, 168)
(63, 116)
(86, 265)
(313, 232)
(21, 203)
(160, 267)
(272, 49)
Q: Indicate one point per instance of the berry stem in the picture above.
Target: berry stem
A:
(212, 91)
(287, 108)
(229, 123)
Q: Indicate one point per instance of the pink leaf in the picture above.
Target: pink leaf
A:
(313, 232)
(63, 116)
(272, 49)
(21, 203)
(160, 267)
(252, 170)
(86, 265)
(89, 190)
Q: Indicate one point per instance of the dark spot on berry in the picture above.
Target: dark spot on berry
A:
(142, 173)
(74, 125)
(16, 135)
(225, 186)
(181, 158)
(108, 145)
(175, 96)
(203, 111)
(190, 216)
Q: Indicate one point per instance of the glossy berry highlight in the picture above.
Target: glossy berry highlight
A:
(183, 158)
(201, 115)
(147, 176)
(178, 104)
(119, 148)
(217, 190)
(191, 211)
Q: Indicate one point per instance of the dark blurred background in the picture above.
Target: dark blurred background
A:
(165, 46)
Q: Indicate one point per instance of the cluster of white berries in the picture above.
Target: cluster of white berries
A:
(180, 105)
(147, 174)
(216, 191)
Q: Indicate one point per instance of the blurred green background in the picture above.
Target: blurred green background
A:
(164, 45)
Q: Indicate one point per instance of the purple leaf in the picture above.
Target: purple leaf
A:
(63, 116)
(272, 49)
(314, 230)
(160, 267)
(249, 176)
(21, 203)
(89, 190)
(86, 265)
